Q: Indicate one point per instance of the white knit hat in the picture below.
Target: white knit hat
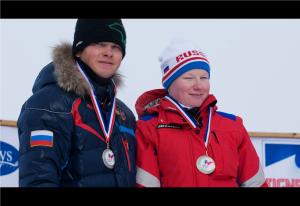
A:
(179, 57)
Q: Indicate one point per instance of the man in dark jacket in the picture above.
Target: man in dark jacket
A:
(73, 131)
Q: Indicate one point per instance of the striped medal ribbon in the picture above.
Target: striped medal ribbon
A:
(204, 163)
(107, 155)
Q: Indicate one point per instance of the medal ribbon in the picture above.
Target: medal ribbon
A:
(208, 128)
(190, 120)
(107, 129)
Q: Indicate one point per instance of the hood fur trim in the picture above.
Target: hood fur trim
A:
(68, 76)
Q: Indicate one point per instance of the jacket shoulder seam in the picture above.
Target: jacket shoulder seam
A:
(46, 110)
(227, 115)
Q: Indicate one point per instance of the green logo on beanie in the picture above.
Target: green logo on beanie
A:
(119, 28)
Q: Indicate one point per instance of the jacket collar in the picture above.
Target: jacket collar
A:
(176, 114)
(153, 101)
(67, 74)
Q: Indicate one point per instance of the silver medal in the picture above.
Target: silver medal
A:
(108, 158)
(205, 164)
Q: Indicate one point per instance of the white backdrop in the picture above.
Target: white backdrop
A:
(255, 63)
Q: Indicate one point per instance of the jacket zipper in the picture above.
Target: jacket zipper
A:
(126, 147)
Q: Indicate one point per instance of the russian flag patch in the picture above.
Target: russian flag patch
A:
(41, 138)
(166, 69)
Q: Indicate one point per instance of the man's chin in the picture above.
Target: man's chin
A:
(105, 74)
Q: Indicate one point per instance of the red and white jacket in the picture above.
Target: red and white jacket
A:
(168, 147)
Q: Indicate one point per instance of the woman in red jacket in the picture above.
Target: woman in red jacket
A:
(182, 140)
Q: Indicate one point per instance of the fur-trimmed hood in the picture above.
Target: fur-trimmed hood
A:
(64, 73)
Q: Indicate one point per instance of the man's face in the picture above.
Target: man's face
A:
(104, 58)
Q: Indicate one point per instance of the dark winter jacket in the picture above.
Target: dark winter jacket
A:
(73, 156)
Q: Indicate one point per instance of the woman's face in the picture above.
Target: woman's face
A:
(191, 88)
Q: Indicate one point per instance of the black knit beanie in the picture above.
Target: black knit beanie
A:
(88, 31)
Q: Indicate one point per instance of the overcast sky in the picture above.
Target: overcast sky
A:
(255, 67)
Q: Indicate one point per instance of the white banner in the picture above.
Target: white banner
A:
(9, 155)
(280, 158)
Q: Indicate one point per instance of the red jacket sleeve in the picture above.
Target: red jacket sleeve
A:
(250, 171)
(146, 160)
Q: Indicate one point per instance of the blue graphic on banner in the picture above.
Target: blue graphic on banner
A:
(277, 152)
(9, 156)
